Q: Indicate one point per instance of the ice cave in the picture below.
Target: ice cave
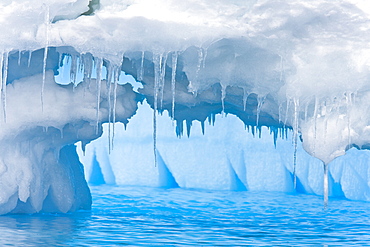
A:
(260, 95)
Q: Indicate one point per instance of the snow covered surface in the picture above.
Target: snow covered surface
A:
(301, 65)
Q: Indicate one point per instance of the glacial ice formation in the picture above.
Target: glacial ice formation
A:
(285, 65)
(226, 157)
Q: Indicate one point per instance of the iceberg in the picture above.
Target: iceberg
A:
(295, 73)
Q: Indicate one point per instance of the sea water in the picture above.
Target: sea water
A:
(174, 217)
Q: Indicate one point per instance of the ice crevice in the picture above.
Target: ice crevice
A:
(301, 76)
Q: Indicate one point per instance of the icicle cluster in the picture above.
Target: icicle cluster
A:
(209, 90)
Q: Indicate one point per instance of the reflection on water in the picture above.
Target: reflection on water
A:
(143, 216)
(42, 229)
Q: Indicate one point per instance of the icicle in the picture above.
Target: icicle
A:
(3, 86)
(99, 65)
(223, 95)
(211, 119)
(163, 77)
(295, 140)
(80, 67)
(245, 98)
(80, 64)
(141, 74)
(199, 66)
(202, 125)
(325, 129)
(306, 112)
(115, 79)
(260, 101)
(326, 185)
(315, 123)
(29, 58)
(19, 58)
(73, 71)
(173, 82)
(157, 60)
(47, 23)
(88, 66)
(43, 77)
(109, 138)
(110, 72)
(109, 76)
(286, 112)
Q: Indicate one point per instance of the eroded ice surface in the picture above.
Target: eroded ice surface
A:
(226, 157)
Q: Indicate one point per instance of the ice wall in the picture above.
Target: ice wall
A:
(226, 157)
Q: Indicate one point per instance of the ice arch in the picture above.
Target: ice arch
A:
(302, 65)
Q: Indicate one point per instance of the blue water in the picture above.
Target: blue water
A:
(172, 217)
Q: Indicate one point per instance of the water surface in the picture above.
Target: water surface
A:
(152, 216)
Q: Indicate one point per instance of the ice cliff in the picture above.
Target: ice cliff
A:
(293, 66)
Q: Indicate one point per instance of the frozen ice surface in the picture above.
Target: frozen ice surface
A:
(300, 65)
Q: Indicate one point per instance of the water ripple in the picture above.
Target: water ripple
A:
(178, 217)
